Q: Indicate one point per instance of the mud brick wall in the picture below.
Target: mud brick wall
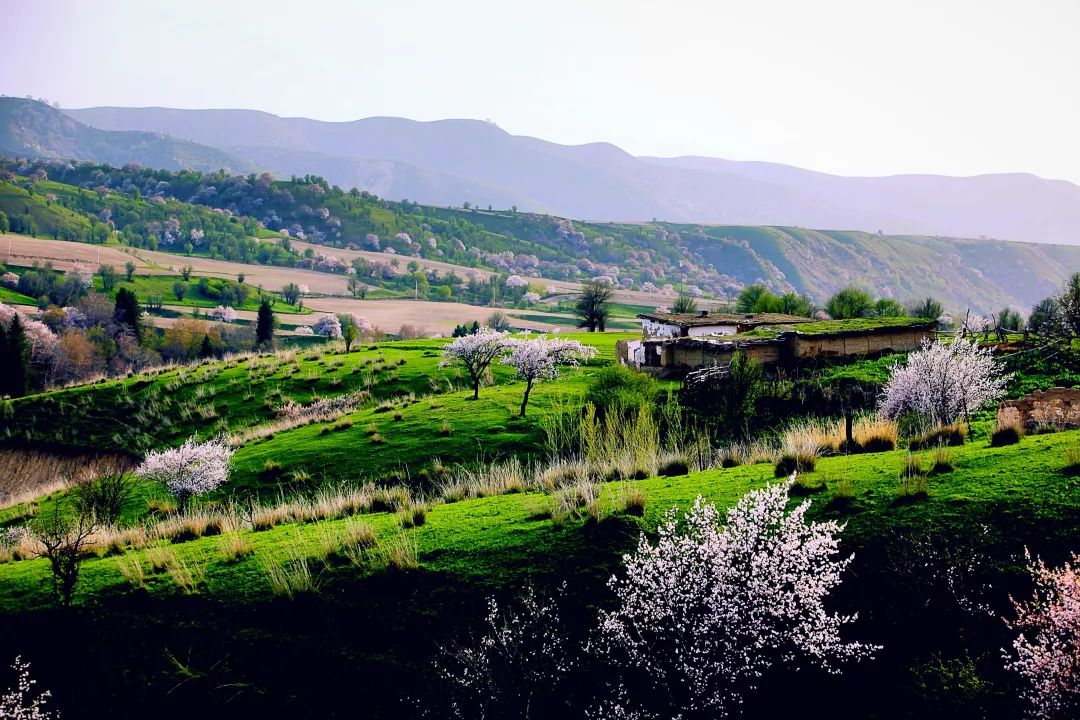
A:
(877, 342)
(1056, 406)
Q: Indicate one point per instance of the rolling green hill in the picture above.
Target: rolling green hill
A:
(983, 275)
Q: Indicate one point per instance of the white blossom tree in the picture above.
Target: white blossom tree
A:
(515, 667)
(192, 469)
(716, 602)
(476, 352)
(20, 703)
(328, 325)
(943, 381)
(539, 359)
(223, 313)
(1047, 652)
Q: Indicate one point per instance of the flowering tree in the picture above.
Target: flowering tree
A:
(476, 352)
(1047, 652)
(539, 359)
(19, 703)
(516, 664)
(328, 325)
(192, 469)
(943, 382)
(716, 603)
(223, 313)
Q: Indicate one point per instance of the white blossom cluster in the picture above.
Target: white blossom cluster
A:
(943, 381)
(1047, 652)
(321, 407)
(19, 703)
(519, 655)
(716, 602)
(43, 342)
(192, 469)
(9, 280)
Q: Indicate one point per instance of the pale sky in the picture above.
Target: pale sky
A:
(856, 87)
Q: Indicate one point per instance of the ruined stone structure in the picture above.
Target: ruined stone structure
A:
(676, 356)
(1056, 406)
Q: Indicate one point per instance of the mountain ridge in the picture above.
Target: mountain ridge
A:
(600, 181)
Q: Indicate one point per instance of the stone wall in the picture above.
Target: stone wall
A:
(1056, 406)
(877, 342)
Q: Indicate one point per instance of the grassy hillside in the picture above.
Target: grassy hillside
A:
(1000, 499)
(985, 275)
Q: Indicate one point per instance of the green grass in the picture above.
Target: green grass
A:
(474, 539)
(12, 297)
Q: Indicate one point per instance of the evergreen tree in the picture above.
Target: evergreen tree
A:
(16, 378)
(127, 311)
(264, 326)
(206, 350)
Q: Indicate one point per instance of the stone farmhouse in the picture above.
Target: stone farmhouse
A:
(672, 345)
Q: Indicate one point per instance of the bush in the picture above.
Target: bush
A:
(104, 499)
(618, 389)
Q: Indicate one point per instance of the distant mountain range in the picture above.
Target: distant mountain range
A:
(449, 162)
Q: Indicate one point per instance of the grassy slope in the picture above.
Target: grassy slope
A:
(11, 297)
(1025, 481)
(379, 629)
(49, 218)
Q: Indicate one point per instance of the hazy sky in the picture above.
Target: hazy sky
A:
(853, 87)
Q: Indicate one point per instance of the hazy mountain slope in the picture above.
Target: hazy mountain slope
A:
(469, 160)
(1014, 206)
(596, 181)
(385, 178)
(32, 129)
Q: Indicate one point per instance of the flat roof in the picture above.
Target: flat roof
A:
(699, 319)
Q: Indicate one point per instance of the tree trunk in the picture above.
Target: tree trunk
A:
(525, 400)
(476, 388)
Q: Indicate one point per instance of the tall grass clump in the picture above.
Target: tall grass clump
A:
(1006, 433)
(1072, 461)
(952, 435)
(294, 576)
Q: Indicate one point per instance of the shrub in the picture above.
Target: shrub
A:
(1006, 434)
(807, 485)
(617, 389)
(105, 498)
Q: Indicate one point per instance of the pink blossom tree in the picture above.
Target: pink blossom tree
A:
(718, 601)
(539, 359)
(192, 469)
(475, 352)
(943, 381)
(223, 313)
(1047, 652)
(328, 325)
